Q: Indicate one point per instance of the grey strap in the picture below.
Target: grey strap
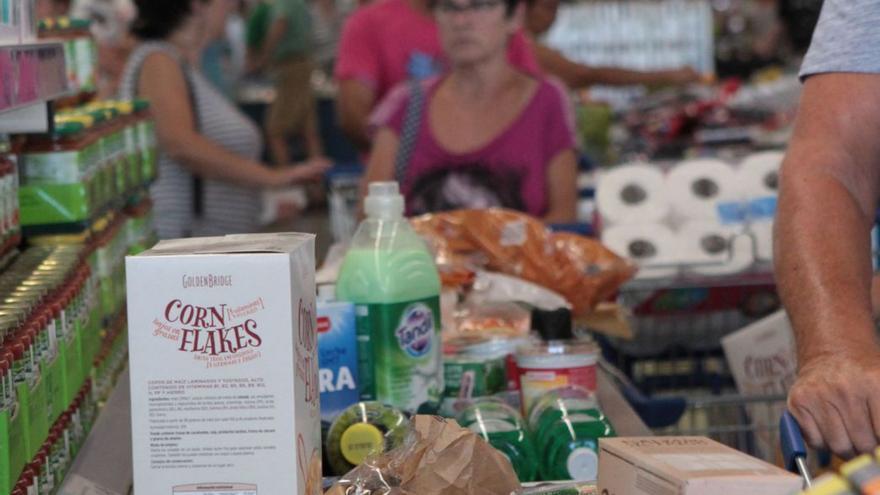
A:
(409, 133)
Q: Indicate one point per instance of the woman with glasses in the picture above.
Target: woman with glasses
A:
(484, 134)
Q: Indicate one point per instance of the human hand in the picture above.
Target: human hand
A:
(253, 64)
(684, 75)
(836, 400)
(308, 171)
(320, 159)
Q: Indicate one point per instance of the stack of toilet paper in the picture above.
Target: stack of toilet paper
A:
(704, 216)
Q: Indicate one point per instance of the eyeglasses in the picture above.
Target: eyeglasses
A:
(449, 8)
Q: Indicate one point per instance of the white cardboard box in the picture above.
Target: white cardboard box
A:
(224, 384)
(686, 466)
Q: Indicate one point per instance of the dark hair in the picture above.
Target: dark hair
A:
(157, 19)
(509, 5)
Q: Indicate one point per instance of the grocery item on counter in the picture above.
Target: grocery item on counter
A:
(438, 458)
(337, 354)
(863, 473)
(559, 361)
(519, 245)
(363, 430)
(503, 427)
(480, 322)
(567, 424)
(390, 276)
(577, 488)
(499, 349)
(491, 288)
(831, 485)
(687, 466)
(226, 323)
(468, 376)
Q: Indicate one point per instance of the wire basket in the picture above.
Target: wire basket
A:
(748, 424)
(686, 314)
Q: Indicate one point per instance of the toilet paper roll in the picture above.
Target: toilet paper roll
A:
(709, 248)
(634, 193)
(758, 174)
(763, 234)
(697, 188)
(652, 247)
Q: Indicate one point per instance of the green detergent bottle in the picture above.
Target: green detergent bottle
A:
(390, 276)
(504, 429)
(568, 425)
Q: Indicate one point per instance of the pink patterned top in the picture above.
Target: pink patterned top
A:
(517, 158)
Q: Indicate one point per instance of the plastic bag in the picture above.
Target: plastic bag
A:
(438, 458)
(579, 268)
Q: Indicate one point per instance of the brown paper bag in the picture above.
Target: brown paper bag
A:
(439, 458)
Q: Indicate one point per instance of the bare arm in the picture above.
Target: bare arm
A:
(380, 166)
(163, 83)
(828, 196)
(276, 33)
(578, 76)
(562, 188)
(355, 102)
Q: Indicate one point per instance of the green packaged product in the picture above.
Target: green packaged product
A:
(568, 425)
(57, 181)
(503, 428)
(390, 276)
(364, 429)
(12, 428)
(467, 377)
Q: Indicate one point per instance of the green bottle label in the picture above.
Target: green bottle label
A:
(404, 342)
(366, 379)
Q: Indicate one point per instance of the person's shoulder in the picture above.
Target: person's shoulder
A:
(154, 55)
(556, 105)
(376, 12)
(397, 100)
(401, 93)
(553, 89)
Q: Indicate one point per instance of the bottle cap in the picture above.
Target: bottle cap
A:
(384, 201)
(553, 325)
(326, 293)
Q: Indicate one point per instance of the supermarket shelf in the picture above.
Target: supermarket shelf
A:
(33, 74)
(103, 466)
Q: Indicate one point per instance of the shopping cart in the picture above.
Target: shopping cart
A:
(794, 451)
(746, 423)
(676, 374)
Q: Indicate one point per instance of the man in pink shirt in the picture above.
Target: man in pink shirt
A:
(386, 43)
